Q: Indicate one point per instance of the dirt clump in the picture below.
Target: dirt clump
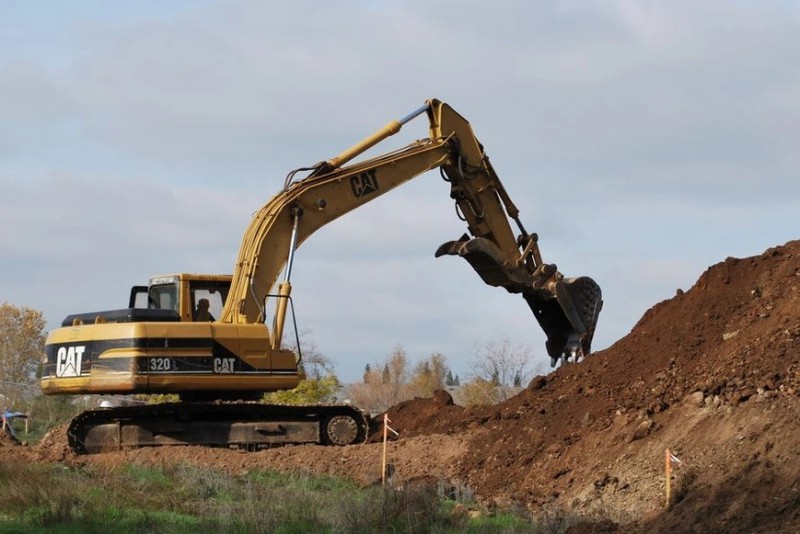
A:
(712, 374)
(53, 447)
(6, 439)
(421, 416)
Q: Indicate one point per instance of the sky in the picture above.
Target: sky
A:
(643, 141)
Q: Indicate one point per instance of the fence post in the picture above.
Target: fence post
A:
(385, 439)
(668, 474)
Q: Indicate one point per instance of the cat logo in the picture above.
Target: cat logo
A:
(364, 183)
(224, 365)
(69, 360)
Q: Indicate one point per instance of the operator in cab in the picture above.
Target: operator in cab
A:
(202, 313)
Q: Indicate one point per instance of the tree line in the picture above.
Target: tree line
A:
(498, 371)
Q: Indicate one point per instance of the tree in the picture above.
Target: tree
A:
(310, 391)
(367, 371)
(386, 376)
(478, 391)
(380, 390)
(373, 395)
(450, 381)
(428, 376)
(21, 348)
(321, 384)
(502, 367)
(315, 364)
(398, 369)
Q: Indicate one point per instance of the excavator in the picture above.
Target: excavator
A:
(220, 365)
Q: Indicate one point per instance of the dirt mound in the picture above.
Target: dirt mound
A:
(6, 439)
(591, 437)
(733, 338)
(421, 416)
(53, 447)
(712, 374)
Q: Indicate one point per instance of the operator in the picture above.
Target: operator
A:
(202, 313)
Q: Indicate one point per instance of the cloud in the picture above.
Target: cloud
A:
(643, 141)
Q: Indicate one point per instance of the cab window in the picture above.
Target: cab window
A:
(208, 299)
(163, 297)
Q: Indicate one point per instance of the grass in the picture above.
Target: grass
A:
(178, 499)
(182, 499)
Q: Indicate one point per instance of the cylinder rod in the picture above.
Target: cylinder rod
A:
(362, 146)
(292, 245)
(285, 287)
(414, 114)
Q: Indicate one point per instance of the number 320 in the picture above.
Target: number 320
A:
(160, 364)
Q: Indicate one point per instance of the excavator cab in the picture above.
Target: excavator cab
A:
(182, 294)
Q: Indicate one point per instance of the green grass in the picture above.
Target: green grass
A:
(133, 499)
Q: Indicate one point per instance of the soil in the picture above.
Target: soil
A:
(712, 374)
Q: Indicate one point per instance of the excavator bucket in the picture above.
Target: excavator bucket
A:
(566, 308)
(569, 317)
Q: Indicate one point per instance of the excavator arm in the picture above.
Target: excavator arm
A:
(565, 308)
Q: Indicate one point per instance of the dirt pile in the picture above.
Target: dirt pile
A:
(6, 439)
(713, 374)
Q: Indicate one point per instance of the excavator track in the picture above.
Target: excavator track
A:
(248, 426)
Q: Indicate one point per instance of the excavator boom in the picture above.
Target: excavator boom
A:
(567, 309)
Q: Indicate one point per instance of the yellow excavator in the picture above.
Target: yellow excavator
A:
(204, 337)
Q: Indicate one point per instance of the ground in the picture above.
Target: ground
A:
(712, 374)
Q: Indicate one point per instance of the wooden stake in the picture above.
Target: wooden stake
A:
(668, 473)
(385, 439)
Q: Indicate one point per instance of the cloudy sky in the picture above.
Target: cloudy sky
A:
(644, 141)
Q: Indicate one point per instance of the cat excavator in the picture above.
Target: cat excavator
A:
(221, 364)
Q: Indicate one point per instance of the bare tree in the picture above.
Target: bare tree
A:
(380, 390)
(373, 394)
(21, 349)
(502, 366)
(315, 364)
(389, 382)
(398, 369)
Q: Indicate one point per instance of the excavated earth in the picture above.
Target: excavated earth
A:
(712, 374)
